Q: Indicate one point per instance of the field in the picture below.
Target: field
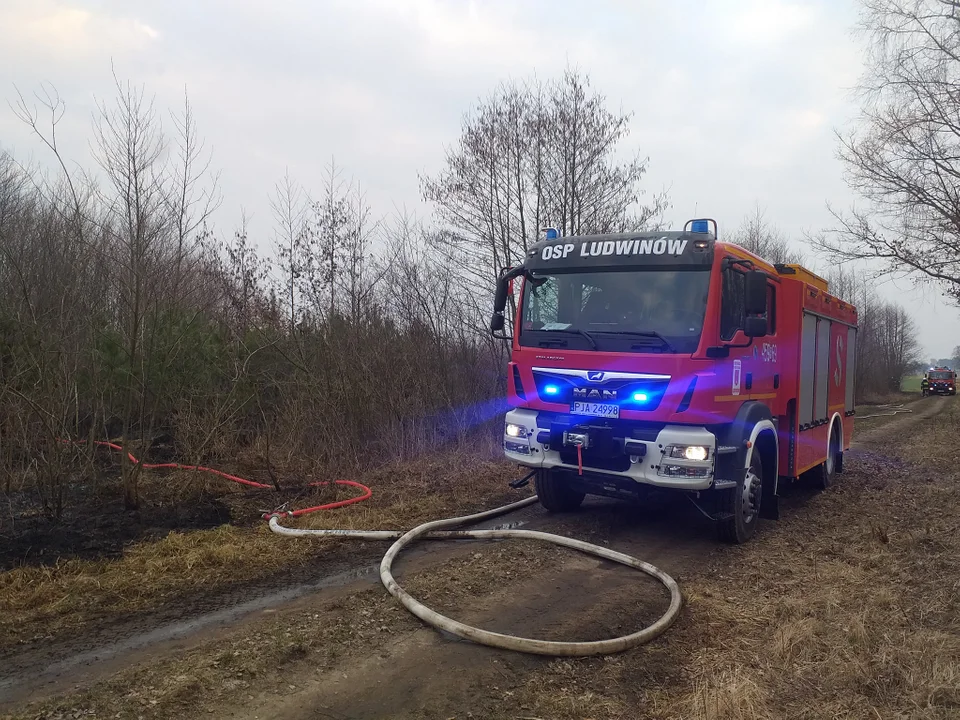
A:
(846, 607)
(911, 384)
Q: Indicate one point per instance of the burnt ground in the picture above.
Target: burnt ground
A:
(808, 620)
(95, 525)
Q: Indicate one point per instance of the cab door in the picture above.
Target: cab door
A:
(735, 373)
(766, 353)
(752, 367)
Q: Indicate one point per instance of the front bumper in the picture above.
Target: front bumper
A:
(642, 461)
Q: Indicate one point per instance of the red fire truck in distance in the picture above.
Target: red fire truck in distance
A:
(941, 380)
(673, 360)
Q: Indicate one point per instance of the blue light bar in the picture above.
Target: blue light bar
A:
(700, 226)
(551, 389)
(640, 397)
(552, 234)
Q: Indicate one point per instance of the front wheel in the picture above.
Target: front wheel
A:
(741, 505)
(555, 493)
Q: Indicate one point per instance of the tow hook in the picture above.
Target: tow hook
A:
(522, 482)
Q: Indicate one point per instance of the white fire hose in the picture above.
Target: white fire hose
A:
(433, 530)
(886, 411)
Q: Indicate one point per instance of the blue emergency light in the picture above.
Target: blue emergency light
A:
(700, 226)
(552, 233)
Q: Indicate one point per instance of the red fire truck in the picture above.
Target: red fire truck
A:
(940, 380)
(673, 360)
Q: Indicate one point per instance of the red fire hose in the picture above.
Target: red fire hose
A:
(367, 492)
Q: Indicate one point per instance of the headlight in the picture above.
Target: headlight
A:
(687, 452)
(695, 452)
(515, 430)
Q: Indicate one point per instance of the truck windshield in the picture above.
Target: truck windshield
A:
(941, 376)
(622, 311)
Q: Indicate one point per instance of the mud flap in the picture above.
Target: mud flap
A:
(769, 501)
(839, 468)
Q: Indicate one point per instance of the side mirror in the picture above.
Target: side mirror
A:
(504, 285)
(755, 326)
(500, 299)
(756, 292)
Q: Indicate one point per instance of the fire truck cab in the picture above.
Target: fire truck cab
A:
(940, 381)
(672, 360)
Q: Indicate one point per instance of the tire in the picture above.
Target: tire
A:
(742, 505)
(555, 493)
(825, 474)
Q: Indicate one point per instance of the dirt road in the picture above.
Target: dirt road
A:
(339, 647)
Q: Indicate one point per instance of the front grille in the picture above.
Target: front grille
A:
(606, 450)
(615, 462)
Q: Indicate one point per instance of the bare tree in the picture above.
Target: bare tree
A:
(532, 155)
(758, 236)
(326, 240)
(904, 159)
(289, 211)
(955, 357)
(154, 209)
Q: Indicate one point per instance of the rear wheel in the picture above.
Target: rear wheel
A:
(555, 493)
(741, 505)
(825, 474)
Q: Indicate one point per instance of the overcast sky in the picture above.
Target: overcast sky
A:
(734, 101)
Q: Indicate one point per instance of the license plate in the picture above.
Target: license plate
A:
(604, 410)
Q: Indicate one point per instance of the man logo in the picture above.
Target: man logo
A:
(594, 375)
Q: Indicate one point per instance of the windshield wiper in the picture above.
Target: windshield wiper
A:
(575, 331)
(642, 333)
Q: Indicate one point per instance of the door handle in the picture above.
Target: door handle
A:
(776, 381)
(748, 380)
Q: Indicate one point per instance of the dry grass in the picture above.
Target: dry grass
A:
(888, 398)
(40, 602)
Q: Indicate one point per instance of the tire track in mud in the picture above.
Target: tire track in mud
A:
(671, 535)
